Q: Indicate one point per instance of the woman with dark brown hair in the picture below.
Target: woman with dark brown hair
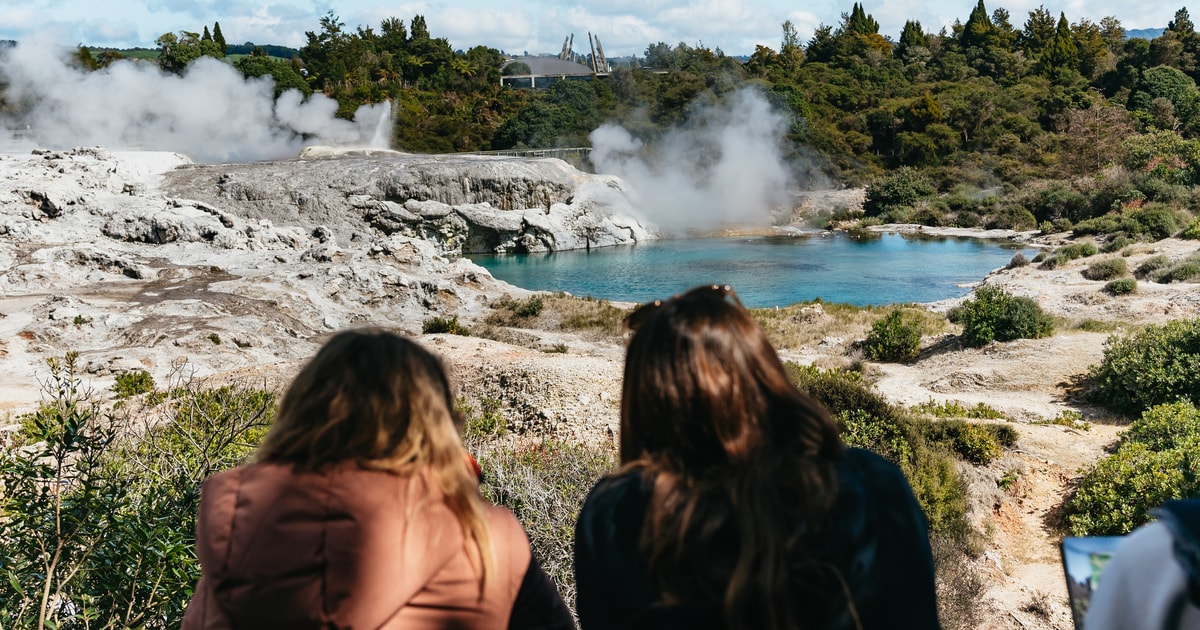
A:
(363, 511)
(736, 504)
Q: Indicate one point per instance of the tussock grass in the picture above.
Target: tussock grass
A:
(807, 323)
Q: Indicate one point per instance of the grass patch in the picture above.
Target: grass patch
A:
(1095, 325)
(448, 325)
(807, 323)
(957, 409)
(544, 484)
(1067, 418)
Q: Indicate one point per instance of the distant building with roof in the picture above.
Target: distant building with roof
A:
(546, 70)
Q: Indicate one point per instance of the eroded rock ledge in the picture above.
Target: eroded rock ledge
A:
(462, 204)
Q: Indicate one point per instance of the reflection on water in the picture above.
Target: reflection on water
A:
(766, 271)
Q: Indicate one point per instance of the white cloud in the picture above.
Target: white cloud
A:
(625, 26)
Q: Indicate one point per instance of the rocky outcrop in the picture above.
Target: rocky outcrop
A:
(463, 204)
(146, 261)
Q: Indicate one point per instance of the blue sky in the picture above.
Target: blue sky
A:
(624, 26)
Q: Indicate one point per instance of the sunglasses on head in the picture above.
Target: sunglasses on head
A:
(708, 291)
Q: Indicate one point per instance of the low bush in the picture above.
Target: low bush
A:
(972, 442)
(996, 315)
(1157, 459)
(1164, 427)
(1121, 286)
(449, 325)
(901, 188)
(113, 544)
(869, 421)
(1156, 365)
(1117, 243)
(1076, 250)
(1011, 218)
(1018, 260)
(1152, 265)
(956, 409)
(129, 384)
(1192, 231)
(1182, 271)
(544, 484)
(896, 338)
(1106, 269)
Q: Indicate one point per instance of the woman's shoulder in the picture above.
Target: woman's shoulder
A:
(614, 510)
(869, 469)
(618, 492)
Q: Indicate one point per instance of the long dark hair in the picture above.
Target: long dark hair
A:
(739, 461)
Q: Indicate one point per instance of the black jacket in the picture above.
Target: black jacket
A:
(876, 539)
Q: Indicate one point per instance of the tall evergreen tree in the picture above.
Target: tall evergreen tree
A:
(1038, 33)
(977, 32)
(911, 36)
(1062, 53)
(219, 38)
(791, 54)
(859, 23)
(206, 37)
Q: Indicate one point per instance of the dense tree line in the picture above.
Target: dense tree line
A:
(1003, 118)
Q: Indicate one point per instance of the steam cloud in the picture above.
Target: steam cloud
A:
(211, 113)
(723, 168)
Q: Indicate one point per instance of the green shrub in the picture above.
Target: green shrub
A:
(956, 409)
(1005, 435)
(1107, 224)
(967, 219)
(1121, 286)
(1091, 324)
(1159, 364)
(450, 325)
(1018, 260)
(531, 307)
(839, 390)
(1164, 427)
(900, 188)
(1011, 218)
(996, 315)
(129, 384)
(1182, 271)
(113, 545)
(1076, 250)
(869, 421)
(895, 338)
(1067, 418)
(1155, 221)
(972, 442)
(1192, 231)
(1106, 269)
(1117, 243)
(488, 422)
(1152, 265)
(1116, 494)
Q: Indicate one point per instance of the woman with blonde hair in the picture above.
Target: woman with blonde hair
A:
(736, 504)
(362, 510)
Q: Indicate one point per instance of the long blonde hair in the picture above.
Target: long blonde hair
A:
(378, 399)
